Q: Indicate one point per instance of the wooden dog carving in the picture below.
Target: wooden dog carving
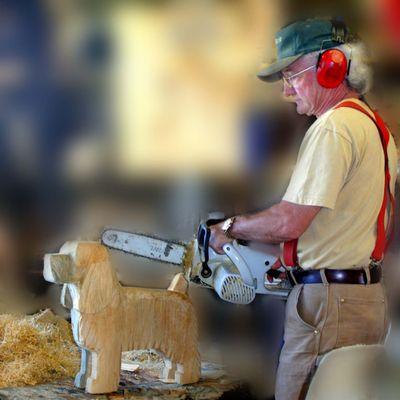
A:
(108, 318)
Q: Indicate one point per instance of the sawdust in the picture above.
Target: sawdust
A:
(36, 349)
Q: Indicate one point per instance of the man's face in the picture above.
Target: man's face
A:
(301, 86)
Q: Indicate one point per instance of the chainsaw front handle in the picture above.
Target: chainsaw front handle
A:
(231, 251)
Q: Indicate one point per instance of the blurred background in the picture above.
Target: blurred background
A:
(146, 116)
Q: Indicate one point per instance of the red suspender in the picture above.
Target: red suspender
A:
(290, 253)
(382, 234)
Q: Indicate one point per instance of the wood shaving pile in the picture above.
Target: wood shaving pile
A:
(36, 349)
(147, 359)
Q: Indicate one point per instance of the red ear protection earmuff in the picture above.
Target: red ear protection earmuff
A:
(332, 64)
(331, 68)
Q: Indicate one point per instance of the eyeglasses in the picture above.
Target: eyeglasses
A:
(287, 79)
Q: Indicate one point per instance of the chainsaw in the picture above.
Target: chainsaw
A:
(236, 276)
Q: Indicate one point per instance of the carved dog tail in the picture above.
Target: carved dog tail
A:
(182, 340)
(190, 356)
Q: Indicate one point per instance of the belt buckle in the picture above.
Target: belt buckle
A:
(375, 267)
(367, 275)
(375, 263)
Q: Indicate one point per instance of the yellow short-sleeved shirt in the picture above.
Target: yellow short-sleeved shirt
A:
(340, 167)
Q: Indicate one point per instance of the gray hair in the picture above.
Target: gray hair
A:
(360, 76)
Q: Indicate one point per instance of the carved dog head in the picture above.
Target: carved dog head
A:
(87, 266)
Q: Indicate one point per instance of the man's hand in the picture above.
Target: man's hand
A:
(275, 273)
(218, 238)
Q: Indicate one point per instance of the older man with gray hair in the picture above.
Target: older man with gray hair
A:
(335, 216)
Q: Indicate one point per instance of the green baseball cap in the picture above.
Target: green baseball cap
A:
(302, 37)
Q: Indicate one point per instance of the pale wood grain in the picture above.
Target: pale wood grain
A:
(179, 284)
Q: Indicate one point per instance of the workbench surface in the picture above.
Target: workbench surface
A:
(140, 384)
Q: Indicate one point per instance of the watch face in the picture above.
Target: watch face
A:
(226, 224)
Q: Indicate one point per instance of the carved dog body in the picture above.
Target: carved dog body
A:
(108, 318)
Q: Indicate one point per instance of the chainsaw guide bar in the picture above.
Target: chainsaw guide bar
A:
(144, 245)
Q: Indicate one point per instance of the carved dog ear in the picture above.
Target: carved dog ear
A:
(88, 253)
(99, 288)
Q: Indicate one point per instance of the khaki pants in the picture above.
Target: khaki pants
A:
(320, 318)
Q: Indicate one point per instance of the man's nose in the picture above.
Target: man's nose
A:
(288, 90)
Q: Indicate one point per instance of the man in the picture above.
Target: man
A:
(332, 216)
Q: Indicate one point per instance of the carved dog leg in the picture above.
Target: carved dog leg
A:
(82, 375)
(84, 372)
(105, 371)
(65, 297)
(189, 371)
(181, 375)
(168, 371)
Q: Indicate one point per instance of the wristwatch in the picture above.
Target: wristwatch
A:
(227, 227)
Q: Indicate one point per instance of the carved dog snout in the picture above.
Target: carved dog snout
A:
(58, 268)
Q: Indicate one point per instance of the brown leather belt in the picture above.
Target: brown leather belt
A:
(349, 276)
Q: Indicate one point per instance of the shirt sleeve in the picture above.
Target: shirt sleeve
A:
(322, 168)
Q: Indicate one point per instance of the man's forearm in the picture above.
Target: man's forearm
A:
(279, 223)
